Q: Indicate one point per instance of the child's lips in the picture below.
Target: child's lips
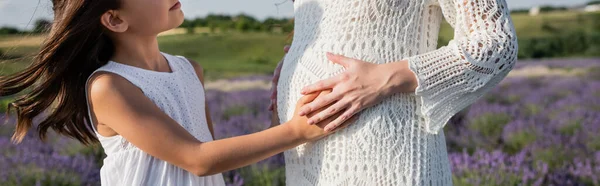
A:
(176, 6)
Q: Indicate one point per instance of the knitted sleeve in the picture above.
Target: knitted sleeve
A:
(483, 51)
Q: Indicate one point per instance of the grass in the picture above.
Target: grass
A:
(542, 25)
(228, 55)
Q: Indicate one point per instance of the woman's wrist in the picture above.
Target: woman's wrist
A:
(398, 78)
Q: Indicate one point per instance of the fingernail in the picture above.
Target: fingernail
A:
(311, 122)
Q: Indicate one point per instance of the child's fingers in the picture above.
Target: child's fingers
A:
(312, 96)
(308, 98)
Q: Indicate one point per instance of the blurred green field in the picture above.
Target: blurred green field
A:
(232, 54)
(544, 24)
(229, 55)
(222, 55)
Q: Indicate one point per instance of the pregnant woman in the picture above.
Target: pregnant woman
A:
(386, 66)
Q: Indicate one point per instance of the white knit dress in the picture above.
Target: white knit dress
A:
(400, 141)
(181, 96)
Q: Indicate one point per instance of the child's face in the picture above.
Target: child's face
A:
(151, 16)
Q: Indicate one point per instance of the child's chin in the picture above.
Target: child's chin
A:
(180, 20)
(175, 23)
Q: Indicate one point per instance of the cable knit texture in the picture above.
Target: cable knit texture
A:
(400, 141)
(181, 96)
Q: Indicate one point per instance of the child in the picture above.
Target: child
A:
(102, 77)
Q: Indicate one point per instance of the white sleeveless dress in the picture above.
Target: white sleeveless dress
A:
(400, 141)
(181, 96)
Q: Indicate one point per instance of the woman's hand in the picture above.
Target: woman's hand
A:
(316, 131)
(362, 85)
(275, 80)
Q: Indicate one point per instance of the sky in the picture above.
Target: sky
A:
(23, 13)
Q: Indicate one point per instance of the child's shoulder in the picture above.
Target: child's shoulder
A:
(103, 84)
(195, 64)
(197, 67)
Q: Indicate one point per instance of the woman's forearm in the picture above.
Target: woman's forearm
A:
(398, 77)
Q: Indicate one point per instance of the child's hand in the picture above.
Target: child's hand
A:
(317, 131)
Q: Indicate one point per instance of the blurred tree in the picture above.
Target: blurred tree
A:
(190, 29)
(552, 8)
(268, 24)
(186, 23)
(593, 2)
(212, 27)
(225, 26)
(42, 25)
(9, 31)
(199, 22)
(245, 23)
(288, 27)
(520, 11)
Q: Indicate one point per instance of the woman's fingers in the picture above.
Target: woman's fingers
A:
(340, 60)
(319, 103)
(336, 108)
(341, 119)
(321, 85)
(330, 83)
(308, 98)
(343, 125)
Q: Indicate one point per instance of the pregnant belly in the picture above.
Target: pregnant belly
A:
(307, 64)
(384, 120)
(386, 128)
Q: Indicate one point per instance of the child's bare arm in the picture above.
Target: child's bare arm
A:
(121, 106)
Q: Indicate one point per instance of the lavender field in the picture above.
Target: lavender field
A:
(540, 126)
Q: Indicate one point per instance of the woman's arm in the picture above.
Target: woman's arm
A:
(121, 106)
(446, 80)
(483, 52)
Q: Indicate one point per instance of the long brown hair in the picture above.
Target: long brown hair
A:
(77, 45)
